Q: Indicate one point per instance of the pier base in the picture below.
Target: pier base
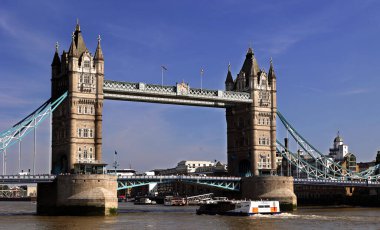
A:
(270, 188)
(84, 195)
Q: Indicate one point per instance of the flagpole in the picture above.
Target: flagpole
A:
(162, 74)
(201, 77)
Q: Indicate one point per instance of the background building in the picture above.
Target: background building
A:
(213, 168)
(339, 149)
(340, 154)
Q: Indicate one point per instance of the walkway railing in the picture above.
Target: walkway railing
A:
(365, 183)
(227, 183)
(26, 179)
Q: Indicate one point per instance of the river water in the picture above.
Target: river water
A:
(22, 215)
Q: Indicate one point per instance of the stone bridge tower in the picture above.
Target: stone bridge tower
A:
(251, 129)
(77, 122)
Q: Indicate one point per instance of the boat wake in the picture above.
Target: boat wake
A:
(310, 217)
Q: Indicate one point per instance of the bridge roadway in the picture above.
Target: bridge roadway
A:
(229, 183)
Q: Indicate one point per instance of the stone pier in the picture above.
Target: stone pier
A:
(270, 188)
(82, 195)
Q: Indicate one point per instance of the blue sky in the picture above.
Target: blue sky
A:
(325, 55)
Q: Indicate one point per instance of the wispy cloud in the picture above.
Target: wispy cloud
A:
(279, 40)
(310, 89)
(354, 92)
(10, 27)
(23, 39)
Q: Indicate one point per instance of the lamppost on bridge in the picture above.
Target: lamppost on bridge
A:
(4, 161)
(115, 164)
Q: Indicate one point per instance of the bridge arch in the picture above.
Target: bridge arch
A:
(245, 168)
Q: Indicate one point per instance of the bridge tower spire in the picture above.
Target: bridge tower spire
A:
(77, 122)
(229, 80)
(56, 63)
(251, 129)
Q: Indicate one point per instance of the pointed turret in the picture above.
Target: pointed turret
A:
(73, 52)
(99, 58)
(79, 42)
(99, 53)
(250, 66)
(56, 61)
(56, 64)
(229, 78)
(229, 83)
(271, 73)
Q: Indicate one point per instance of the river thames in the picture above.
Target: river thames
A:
(22, 215)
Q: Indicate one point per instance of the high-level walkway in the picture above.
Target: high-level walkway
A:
(181, 94)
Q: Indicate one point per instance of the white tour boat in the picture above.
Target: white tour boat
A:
(239, 207)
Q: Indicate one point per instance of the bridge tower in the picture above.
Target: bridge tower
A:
(251, 136)
(251, 129)
(77, 123)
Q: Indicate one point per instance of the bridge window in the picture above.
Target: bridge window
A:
(85, 132)
(79, 132)
(86, 79)
(90, 131)
(85, 110)
(92, 110)
(79, 109)
(86, 64)
(264, 141)
(261, 141)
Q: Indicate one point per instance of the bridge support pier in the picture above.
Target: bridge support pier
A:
(83, 195)
(270, 188)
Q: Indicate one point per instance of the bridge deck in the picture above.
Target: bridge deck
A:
(29, 179)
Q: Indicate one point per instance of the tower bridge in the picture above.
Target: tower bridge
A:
(249, 100)
(78, 91)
